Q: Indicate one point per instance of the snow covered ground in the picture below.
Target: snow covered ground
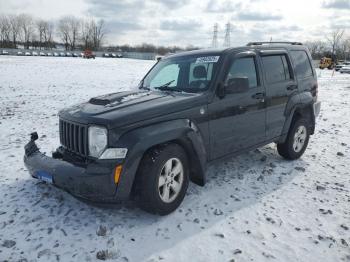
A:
(255, 207)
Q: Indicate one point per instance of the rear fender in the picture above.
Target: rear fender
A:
(301, 104)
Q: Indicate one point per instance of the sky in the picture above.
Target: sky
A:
(190, 22)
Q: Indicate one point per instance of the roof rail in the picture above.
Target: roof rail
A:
(267, 43)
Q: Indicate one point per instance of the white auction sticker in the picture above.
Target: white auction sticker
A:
(207, 59)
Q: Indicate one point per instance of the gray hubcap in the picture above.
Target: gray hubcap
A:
(170, 180)
(299, 139)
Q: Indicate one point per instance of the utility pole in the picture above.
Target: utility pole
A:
(215, 36)
(227, 42)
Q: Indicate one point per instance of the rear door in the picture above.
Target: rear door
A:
(279, 84)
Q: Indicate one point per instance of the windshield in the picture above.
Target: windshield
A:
(188, 74)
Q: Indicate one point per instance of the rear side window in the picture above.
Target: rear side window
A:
(276, 68)
(301, 63)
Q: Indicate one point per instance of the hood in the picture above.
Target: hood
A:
(124, 108)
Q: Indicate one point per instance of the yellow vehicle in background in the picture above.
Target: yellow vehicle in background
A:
(326, 63)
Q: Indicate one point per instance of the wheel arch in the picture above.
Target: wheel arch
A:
(301, 106)
(140, 141)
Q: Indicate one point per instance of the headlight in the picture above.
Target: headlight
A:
(97, 140)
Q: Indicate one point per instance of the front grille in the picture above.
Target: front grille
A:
(73, 137)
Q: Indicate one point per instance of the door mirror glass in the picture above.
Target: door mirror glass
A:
(237, 85)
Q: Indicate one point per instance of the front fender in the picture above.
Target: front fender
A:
(138, 141)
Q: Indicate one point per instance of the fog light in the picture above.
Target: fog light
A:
(114, 153)
(117, 172)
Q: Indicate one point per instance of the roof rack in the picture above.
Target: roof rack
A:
(267, 43)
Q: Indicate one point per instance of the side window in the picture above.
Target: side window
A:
(165, 75)
(276, 68)
(302, 64)
(243, 67)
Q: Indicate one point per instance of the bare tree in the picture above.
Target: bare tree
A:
(27, 27)
(48, 34)
(74, 25)
(98, 30)
(334, 39)
(40, 27)
(63, 31)
(85, 33)
(15, 29)
(344, 48)
(92, 33)
(68, 28)
(5, 30)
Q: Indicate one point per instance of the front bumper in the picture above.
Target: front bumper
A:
(93, 181)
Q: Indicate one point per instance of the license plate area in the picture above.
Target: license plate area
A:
(44, 176)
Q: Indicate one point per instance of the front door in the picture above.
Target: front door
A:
(237, 121)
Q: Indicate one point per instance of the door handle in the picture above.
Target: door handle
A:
(292, 87)
(258, 96)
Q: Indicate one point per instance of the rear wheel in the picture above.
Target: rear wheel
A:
(162, 179)
(297, 140)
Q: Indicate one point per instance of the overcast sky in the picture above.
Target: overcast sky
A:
(190, 22)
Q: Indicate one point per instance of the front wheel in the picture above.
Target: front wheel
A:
(162, 179)
(297, 140)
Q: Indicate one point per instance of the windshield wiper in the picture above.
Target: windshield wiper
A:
(166, 86)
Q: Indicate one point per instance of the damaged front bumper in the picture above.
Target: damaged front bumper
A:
(93, 180)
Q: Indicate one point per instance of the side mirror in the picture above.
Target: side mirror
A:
(237, 85)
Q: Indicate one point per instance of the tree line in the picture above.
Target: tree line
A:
(74, 33)
(335, 45)
(149, 48)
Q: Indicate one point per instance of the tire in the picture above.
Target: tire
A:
(162, 179)
(297, 140)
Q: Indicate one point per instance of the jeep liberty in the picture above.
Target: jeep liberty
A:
(191, 108)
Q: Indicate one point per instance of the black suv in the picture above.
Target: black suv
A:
(191, 108)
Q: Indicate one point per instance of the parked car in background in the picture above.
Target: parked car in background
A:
(34, 53)
(120, 55)
(68, 54)
(113, 55)
(20, 53)
(55, 54)
(42, 54)
(106, 55)
(27, 54)
(62, 54)
(341, 65)
(75, 55)
(345, 69)
(4, 52)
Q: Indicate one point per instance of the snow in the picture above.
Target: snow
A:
(129, 98)
(255, 207)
